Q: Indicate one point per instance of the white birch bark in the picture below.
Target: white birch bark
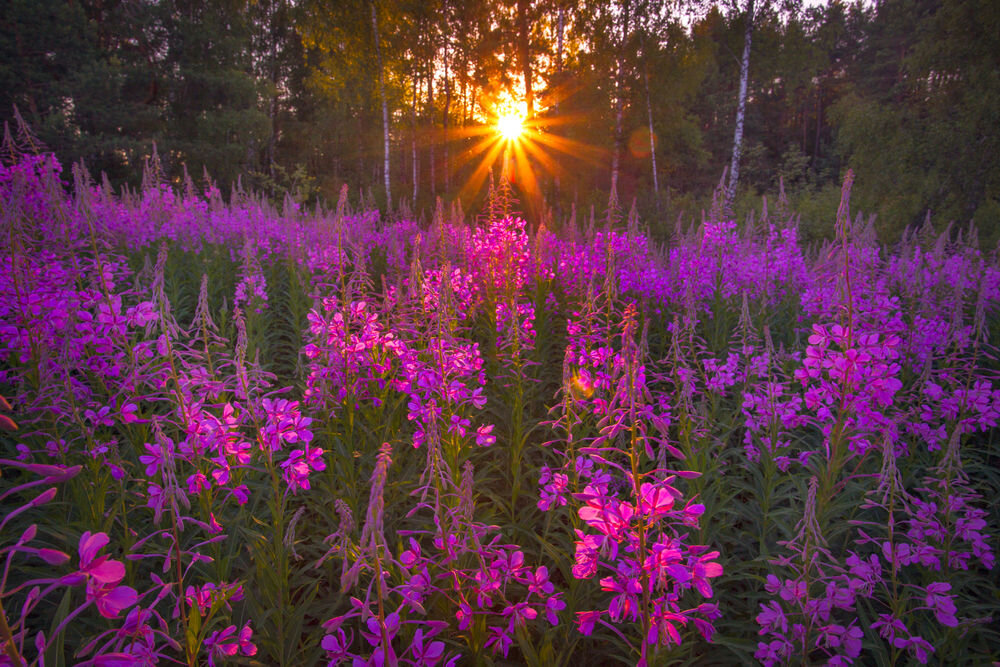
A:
(652, 140)
(741, 110)
(385, 108)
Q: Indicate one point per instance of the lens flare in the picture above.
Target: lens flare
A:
(510, 126)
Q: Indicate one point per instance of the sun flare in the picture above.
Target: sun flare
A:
(510, 126)
(523, 146)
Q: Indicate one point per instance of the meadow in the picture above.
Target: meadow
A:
(297, 436)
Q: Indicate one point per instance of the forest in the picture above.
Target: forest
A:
(396, 98)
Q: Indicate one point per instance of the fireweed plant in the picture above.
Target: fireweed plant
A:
(238, 434)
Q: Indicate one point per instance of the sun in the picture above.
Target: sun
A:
(510, 126)
(524, 146)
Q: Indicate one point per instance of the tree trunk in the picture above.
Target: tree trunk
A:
(561, 24)
(413, 139)
(619, 105)
(385, 108)
(444, 122)
(652, 140)
(524, 54)
(273, 106)
(741, 110)
(560, 27)
(430, 117)
(819, 121)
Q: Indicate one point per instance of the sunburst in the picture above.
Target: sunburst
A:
(510, 126)
(522, 147)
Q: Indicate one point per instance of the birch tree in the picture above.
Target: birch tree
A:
(741, 107)
(385, 105)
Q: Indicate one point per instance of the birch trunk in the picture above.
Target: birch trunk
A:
(741, 110)
(560, 24)
(447, 112)
(619, 103)
(413, 139)
(652, 140)
(385, 108)
(559, 40)
(272, 142)
(430, 117)
(524, 54)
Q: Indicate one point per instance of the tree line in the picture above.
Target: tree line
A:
(653, 101)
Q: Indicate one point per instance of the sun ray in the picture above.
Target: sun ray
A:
(478, 177)
(525, 174)
(572, 147)
(547, 162)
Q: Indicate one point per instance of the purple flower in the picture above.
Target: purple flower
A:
(484, 436)
(376, 628)
(425, 654)
(499, 639)
(942, 604)
(772, 619)
(224, 644)
(703, 569)
(336, 645)
(538, 582)
(553, 605)
(585, 621)
(519, 614)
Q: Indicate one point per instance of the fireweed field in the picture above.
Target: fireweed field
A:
(310, 437)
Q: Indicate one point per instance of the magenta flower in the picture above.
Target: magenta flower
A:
(703, 569)
(154, 459)
(608, 515)
(499, 640)
(110, 600)
(626, 603)
(410, 556)
(771, 619)
(585, 621)
(553, 605)
(197, 483)
(464, 616)
(425, 654)
(201, 596)
(102, 576)
(225, 644)
(99, 568)
(538, 582)
(484, 436)
(375, 629)
(655, 500)
(336, 646)
(943, 605)
(519, 615)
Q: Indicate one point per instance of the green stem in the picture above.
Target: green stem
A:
(8, 638)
